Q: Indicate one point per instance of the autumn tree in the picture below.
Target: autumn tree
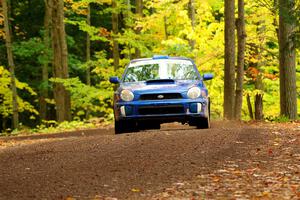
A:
(287, 59)
(229, 70)
(88, 46)
(139, 13)
(241, 33)
(128, 19)
(11, 64)
(45, 72)
(192, 14)
(188, 28)
(60, 61)
(115, 30)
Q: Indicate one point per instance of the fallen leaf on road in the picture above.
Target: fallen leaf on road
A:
(239, 142)
(270, 151)
(135, 190)
(216, 179)
(70, 198)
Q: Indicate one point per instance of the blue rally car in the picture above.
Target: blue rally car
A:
(158, 90)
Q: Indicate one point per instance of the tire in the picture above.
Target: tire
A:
(118, 127)
(123, 126)
(156, 126)
(203, 123)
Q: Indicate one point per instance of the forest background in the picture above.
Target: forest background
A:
(102, 36)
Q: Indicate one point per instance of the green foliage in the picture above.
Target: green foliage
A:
(6, 96)
(32, 47)
(94, 32)
(87, 99)
(280, 119)
(52, 126)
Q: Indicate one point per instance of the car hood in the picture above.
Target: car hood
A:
(160, 87)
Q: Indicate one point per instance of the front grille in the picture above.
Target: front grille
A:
(160, 96)
(157, 110)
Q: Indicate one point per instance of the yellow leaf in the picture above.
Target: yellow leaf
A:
(135, 190)
(266, 194)
(70, 198)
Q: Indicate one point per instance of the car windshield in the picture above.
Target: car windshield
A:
(161, 69)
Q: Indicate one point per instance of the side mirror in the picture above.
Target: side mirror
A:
(114, 80)
(207, 76)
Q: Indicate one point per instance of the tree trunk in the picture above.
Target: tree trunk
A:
(240, 60)
(258, 101)
(250, 107)
(115, 30)
(275, 20)
(128, 12)
(3, 123)
(127, 16)
(139, 13)
(166, 28)
(259, 98)
(287, 61)
(60, 61)
(11, 64)
(88, 54)
(229, 76)
(45, 74)
(88, 46)
(259, 107)
(193, 20)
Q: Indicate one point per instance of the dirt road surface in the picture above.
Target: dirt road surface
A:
(230, 160)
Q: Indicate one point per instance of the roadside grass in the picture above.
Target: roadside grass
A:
(49, 127)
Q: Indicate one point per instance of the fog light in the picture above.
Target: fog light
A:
(126, 110)
(195, 107)
(122, 109)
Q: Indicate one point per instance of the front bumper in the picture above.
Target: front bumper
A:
(162, 110)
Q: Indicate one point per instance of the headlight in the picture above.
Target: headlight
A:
(126, 95)
(194, 92)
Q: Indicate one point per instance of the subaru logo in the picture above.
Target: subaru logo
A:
(160, 96)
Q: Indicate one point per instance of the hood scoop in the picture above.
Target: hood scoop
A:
(160, 81)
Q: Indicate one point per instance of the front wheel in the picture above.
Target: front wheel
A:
(203, 123)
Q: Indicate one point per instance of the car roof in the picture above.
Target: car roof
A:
(161, 58)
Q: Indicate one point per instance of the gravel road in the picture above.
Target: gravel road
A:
(96, 164)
